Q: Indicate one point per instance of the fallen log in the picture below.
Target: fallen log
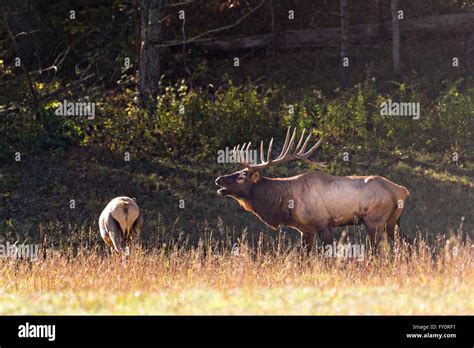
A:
(357, 34)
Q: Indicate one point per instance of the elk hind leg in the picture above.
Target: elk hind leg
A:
(375, 228)
(393, 225)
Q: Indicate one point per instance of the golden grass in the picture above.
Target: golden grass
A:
(212, 279)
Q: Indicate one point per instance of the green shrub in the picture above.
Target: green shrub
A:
(186, 122)
(25, 131)
(189, 122)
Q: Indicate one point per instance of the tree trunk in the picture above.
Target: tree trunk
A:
(380, 20)
(30, 30)
(149, 69)
(395, 38)
(344, 25)
(272, 48)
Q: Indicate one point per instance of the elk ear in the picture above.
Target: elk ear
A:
(256, 176)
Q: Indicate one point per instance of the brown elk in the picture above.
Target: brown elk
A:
(314, 202)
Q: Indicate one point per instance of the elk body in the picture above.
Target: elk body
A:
(119, 221)
(315, 202)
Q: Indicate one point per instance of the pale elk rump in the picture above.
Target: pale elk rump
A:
(119, 222)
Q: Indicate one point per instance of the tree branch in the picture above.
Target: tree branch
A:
(216, 30)
(182, 3)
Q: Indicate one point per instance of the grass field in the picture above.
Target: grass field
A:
(174, 273)
(271, 278)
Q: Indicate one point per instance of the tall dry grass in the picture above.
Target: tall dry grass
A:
(267, 276)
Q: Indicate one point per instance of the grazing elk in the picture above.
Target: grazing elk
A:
(119, 221)
(313, 202)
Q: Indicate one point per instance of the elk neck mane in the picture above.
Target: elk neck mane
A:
(269, 200)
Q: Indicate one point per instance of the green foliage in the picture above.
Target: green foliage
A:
(190, 122)
(453, 117)
(353, 119)
(23, 131)
(18, 131)
(186, 122)
(58, 132)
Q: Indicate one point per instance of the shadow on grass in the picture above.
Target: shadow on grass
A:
(67, 192)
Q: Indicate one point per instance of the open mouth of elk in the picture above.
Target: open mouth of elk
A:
(222, 190)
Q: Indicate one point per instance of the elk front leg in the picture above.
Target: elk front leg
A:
(308, 240)
(325, 234)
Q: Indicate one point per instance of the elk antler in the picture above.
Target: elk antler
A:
(287, 153)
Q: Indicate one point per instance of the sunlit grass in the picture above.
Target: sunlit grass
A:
(266, 279)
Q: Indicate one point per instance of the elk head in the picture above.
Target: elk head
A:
(240, 184)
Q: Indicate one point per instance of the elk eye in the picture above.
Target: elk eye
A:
(240, 179)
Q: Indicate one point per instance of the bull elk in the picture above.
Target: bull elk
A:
(314, 202)
(119, 221)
